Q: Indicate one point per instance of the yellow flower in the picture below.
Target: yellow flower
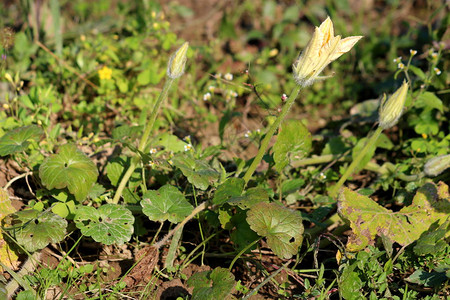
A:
(391, 109)
(104, 73)
(322, 49)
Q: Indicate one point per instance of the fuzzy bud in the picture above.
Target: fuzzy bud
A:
(437, 165)
(391, 109)
(177, 62)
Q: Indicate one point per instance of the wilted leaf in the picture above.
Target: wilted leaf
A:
(19, 139)
(293, 143)
(197, 172)
(167, 203)
(7, 256)
(109, 224)
(34, 230)
(211, 285)
(69, 168)
(367, 219)
(281, 226)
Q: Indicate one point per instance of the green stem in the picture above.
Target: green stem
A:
(265, 142)
(372, 140)
(143, 143)
(242, 252)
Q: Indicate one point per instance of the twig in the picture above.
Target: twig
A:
(17, 178)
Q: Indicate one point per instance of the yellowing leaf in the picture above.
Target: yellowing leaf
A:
(368, 219)
(7, 256)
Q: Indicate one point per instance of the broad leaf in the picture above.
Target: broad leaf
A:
(116, 168)
(109, 224)
(167, 203)
(293, 143)
(69, 168)
(367, 219)
(433, 240)
(429, 101)
(34, 230)
(281, 226)
(230, 189)
(169, 142)
(211, 285)
(7, 256)
(431, 279)
(19, 139)
(197, 172)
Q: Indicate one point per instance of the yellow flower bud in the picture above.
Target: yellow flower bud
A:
(391, 109)
(177, 62)
(9, 78)
(322, 49)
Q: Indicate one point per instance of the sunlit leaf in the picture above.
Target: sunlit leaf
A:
(19, 139)
(108, 224)
(281, 226)
(293, 143)
(69, 168)
(167, 203)
(7, 256)
(197, 172)
(367, 219)
(34, 230)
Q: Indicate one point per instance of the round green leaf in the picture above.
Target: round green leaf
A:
(167, 203)
(197, 172)
(69, 168)
(281, 226)
(38, 229)
(108, 224)
(211, 285)
(19, 139)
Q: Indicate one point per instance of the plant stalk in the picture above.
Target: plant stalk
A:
(372, 140)
(265, 142)
(143, 142)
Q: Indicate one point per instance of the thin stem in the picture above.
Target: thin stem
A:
(372, 140)
(180, 225)
(242, 252)
(265, 142)
(143, 143)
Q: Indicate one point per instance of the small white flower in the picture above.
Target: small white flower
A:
(211, 88)
(412, 52)
(187, 147)
(207, 96)
(151, 164)
(258, 130)
(438, 72)
(228, 76)
(247, 134)
(153, 151)
(434, 55)
(398, 59)
(234, 94)
(283, 97)
(401, 66)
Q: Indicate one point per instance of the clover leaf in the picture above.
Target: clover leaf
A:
(109, 224)
(211, 285)
(167, 203)
(281, 226)
(19, 139)
(197, 172)
(293, 142)
(69, 168)
(34, 230)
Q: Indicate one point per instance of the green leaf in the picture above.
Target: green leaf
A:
(367, 219)
(35, 229)
(211, 285)
(69, 168)
(18, 140)
(167, 203)
(250, 198)
(230, 189)
(293, 143)
(418, 72)
(432, 241)
(197, 172)
(242, 235)
(109, 224)
(429, 100)
(350, 284)
(169, 142)
(7, 256)
(430, 279)
(116, 168)
(282, 227)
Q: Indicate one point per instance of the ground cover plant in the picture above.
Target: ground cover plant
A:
(228, 150)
